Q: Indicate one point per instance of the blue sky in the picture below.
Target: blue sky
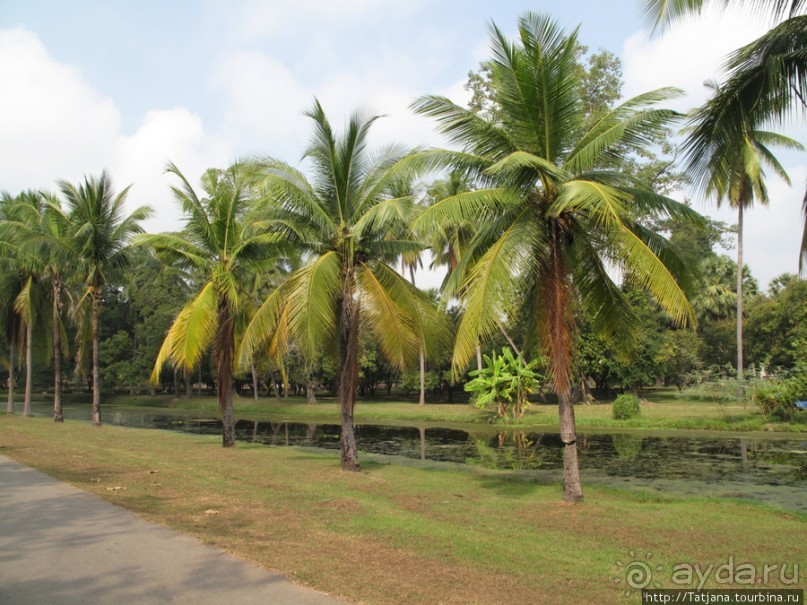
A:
(128, 85)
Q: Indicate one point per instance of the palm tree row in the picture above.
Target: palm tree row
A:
(535, 221)
(47, 244)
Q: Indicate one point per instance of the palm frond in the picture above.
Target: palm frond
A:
(191, 333)
(393, 326)
(311, 295)
(490, 291)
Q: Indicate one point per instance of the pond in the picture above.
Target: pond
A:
(769, 469)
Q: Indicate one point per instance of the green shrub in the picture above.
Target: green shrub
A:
(626, 407)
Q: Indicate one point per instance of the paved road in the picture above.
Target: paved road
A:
(59, 545)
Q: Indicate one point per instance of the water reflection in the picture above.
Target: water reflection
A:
(768, 470)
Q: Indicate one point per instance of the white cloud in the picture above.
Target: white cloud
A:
(688, 54)
(56, 126)
(264, 103)
(174, 135)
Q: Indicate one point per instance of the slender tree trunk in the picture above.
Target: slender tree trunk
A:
(572, 489)
(478, 357)
(560, 339)
(188, 384)
(176, 382)
(349, 374)
(96, 370)
(225, 346)
(510, 341)
(12, 341)
(310, 391)
(422, 400)
(740, 291)
(29, 356)
(58, 414)
(254, 382)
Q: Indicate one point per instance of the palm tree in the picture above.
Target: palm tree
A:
(102, 234)
(766, 82)
(342, 218)
(738, 178)
(43, 231)
(220, 244)
(19, 228)
(12, 282)
(553, 221)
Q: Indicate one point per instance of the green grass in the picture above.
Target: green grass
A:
(401, 534)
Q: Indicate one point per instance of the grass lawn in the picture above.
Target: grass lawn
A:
(401, 534)
(661, 409)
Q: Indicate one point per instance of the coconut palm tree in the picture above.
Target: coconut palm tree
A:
(12, 282)
(19, 230)
(554, 223)
(342, 217)
(766, 82)
(739, 179)
(43, 233)
(102, 233)
(220, 244)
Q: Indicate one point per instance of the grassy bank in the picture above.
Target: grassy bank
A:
(661, 410)
(395, 534)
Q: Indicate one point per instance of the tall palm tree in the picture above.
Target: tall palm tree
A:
(739, 179)
(19, 228)
(766, 82)
(342, 217)
(12, 282)
(43, 231)
(220, 244)
(102, 233)
(553, 220)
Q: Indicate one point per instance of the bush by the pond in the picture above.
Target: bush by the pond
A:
(626, 407)
(776, 398)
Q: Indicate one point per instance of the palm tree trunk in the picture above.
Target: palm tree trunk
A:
(58, 414)
(310, 391)
(254, 382)
(225, 346)
(96, 370)
(12, 341)
(560, 339)
(29, 356)
(740, 373)
(188, 385)
(572, 488)
(478, 357)
(176, 382)
(422, 400)
(349, 374)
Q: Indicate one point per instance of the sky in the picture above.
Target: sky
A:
(127, 86)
